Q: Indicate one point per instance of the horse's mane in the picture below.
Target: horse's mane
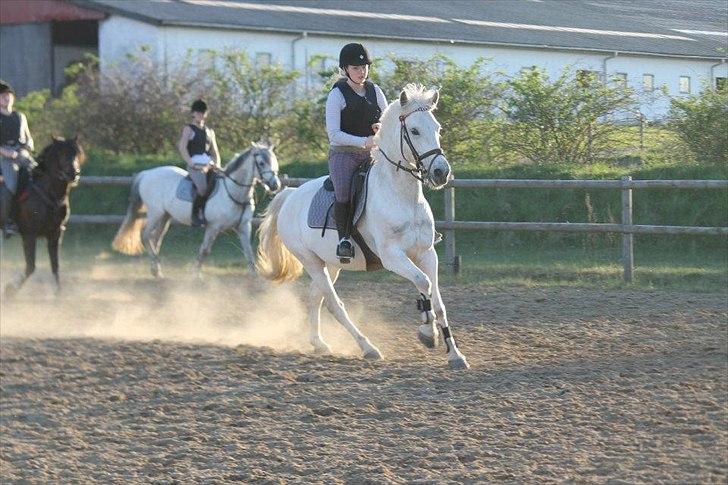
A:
(417, 97)
(235, 162)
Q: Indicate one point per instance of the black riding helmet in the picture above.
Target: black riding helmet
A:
(199, 106)
(354, 55)
(5, 87)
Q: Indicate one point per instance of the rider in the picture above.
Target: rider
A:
(198, 148)
(353, 108)
(15, 147)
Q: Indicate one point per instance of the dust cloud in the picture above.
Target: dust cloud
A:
(109, 303)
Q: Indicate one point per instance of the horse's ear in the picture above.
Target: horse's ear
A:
(435, 99)
(75, 138)
(54, 137)
(403, 98)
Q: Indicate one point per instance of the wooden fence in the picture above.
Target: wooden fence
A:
(449, 225)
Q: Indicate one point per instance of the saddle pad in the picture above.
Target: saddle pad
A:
(322, 203)
(186, 190)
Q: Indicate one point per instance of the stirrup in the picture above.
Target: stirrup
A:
(345, 250)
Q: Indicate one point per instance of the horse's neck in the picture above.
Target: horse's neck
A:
(244, 175)
(56, 190)
(399, 185)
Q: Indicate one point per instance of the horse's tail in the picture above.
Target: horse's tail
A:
(128, 239)
(275, 261)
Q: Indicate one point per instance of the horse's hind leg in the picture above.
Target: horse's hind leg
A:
(315, 299)
(322, 281)
(428, 263)
(211, 233)
(149, 239)
(29, 251)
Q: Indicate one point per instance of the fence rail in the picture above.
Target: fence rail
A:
(449, 225)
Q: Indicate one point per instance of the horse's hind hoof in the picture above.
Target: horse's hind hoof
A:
(429, 341)
(458, 363)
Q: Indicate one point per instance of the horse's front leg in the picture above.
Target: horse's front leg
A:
(53, 245)
(211, 233)
(29, 251)
(429, 264)
(244, 231)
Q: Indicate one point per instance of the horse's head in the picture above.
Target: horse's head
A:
(61, 160)
(410, 131)
(266, 165)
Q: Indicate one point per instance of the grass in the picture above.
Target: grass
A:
(494, 259)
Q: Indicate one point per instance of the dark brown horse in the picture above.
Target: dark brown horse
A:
(42, 207)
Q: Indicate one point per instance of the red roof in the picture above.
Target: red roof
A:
(23, 11)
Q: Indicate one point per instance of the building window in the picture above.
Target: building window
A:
(684, 84)
(262, 59)
(648, 82)
(721, 83)
(587, 78)
(621, 78)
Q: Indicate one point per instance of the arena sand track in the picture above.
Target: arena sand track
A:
(137, 383)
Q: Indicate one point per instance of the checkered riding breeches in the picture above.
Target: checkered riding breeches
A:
(342, 165)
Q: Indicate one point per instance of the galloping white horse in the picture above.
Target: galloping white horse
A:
(230, 206)
(397, 225)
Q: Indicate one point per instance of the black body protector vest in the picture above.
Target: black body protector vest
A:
(360, 112)
(10, 129)
(200, 143)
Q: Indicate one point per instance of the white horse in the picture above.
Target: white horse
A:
(397, 225)
(231, 206)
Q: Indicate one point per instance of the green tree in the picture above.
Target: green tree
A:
(568, 120)
(700, 122)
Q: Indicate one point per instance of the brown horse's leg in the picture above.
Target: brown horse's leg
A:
(29, 250)
(53, 243)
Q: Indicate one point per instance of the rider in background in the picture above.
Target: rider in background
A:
(353, 108)
(198, 148)
(15, 147)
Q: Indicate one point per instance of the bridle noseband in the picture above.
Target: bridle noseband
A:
(419, 172)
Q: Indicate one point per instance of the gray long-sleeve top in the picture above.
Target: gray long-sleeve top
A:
(335, 102)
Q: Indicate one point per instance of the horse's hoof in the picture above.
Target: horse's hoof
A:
(321, 349)
(429, 341)
(10, 290)
(458, 363)
(373, 354)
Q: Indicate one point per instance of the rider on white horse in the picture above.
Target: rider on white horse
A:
(198, 148)
(353, 108)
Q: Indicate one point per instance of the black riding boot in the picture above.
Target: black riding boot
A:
(7, 200)
(198, 213)
(345, 249)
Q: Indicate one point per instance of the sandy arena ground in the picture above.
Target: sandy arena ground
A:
(133, 382)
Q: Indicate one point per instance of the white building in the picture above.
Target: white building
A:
(651, 44)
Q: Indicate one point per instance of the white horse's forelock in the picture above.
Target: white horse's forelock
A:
(417, 97)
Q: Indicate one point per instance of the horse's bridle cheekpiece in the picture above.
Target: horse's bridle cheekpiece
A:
(419, 172)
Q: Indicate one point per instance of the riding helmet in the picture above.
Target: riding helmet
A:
(5, 87)
(354, 55)
(199, 106)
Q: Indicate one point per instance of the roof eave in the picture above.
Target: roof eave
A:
(438, 40)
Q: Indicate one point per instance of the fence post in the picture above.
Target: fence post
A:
(627, 237)
(450, 258)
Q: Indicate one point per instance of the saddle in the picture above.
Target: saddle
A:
(321, 214)
(187, 192)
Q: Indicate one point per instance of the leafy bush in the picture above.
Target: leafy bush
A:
(700, 122)
(566, 120)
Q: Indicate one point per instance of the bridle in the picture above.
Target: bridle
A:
(419, 171)
(225, 176)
